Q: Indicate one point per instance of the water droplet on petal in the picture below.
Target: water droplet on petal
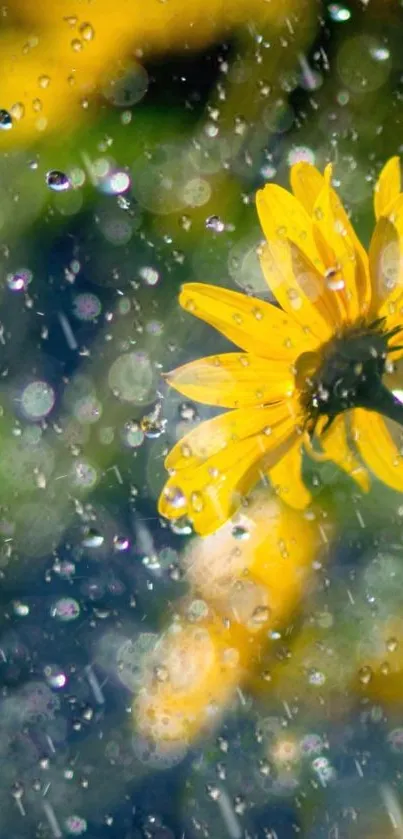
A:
(196, 500)
(6, 121)
(365, 675)
(87, 31)
(175, 497)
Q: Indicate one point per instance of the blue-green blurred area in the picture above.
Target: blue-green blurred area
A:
(160, 190)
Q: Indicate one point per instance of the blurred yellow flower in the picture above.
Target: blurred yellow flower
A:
(244, 583)
(55, 54)
(309, 372)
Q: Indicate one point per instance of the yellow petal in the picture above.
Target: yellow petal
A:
(286, 478)
(215, 434)
(252, 324)
(338, 253)
(210, 493)
(336, 447)
(233, 380)
(386, 266)
(299, 288)
(377, 448)
(307, 183)
(387, 188)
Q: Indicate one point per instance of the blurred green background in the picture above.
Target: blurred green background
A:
(184, 118)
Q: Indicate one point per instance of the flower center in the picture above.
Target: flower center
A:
(346, 373)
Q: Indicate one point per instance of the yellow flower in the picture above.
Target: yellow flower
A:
(310, 369)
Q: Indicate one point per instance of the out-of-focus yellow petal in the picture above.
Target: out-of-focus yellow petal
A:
(215, 434)
(233, 380)
(377, 448)
(386, 268)
(252, 324)
(286, 478)
(386, 265)
(336, 447)
(210, 493)
(307, 183)
(387, 188)
(338, 253)
(289, 261)
(256, 583)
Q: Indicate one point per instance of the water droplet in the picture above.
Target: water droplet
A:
(152, 426)
(17, 111)
(92, 538)
(196, 500)
(213, 792)
(86, 31)
(175, 497)
(5, 120)
(161, 673)
(365, 675)
(121, 543)
(391, 644)
(338, 13)
(57, 181)
(240, 533)
(316, 677)
(65, 609)
(55, 676)
(260, 615)
(19, 281)
(44, 81)
(215, 223)
(187, 412)
(334, 279)
(76, 45)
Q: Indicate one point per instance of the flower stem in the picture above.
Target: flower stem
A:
(384, 402)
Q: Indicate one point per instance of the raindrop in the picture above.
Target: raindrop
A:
(19, 281)
(365, 675)
(57, 181)
(86, 31)
(339, 13)
(196, 500)
(260, 615)
(391, 644)
(120, 543)
(66, 609)
(215, 223)
(92, 538)
(240, 533)
(54, 676)
(5, 120)
(175, 497)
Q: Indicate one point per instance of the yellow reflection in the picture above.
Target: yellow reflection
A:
(248, 579)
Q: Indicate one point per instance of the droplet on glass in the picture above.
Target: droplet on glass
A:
(92, 538)
(66, 609)
(215, 223)
(19, 281)
(57, 181)
(339, 13)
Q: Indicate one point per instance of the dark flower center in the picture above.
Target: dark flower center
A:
(346, 373)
